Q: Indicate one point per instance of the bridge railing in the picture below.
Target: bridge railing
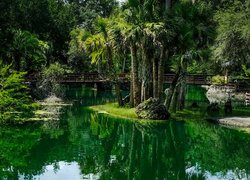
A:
(86, 77)
(99, 77)
(191, 79)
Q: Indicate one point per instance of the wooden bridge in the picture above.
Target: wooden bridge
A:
(99, 78)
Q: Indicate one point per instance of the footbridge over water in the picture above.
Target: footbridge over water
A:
(102, 78)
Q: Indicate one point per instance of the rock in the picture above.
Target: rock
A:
(152, 109)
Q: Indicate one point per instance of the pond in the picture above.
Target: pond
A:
(89, 145)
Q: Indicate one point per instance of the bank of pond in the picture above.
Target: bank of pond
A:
(87, 144)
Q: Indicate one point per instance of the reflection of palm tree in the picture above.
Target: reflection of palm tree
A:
(132, 153)
(177, 139)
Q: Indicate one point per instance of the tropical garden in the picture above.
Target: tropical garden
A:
(133, 46)
(144, 39)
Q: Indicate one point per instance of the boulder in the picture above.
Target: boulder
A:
(152, 109)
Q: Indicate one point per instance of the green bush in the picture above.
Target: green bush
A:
(15, 101)
(218, 80)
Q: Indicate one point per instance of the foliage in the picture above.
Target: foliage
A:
(246, 70)
(28, 52)
(50, 20)
(54, 71)
(48, 85)
(231, 48)
(218, 80)
(78, 58)
(15, 101)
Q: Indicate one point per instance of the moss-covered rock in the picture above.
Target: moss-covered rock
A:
(152, 109)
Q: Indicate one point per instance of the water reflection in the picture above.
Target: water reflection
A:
(88, 145)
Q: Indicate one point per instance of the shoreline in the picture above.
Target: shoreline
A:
(112, 109)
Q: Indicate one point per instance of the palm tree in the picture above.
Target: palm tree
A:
(193, 37)
(101, 46)
(27, 51)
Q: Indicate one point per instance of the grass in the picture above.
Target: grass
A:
(114, 110)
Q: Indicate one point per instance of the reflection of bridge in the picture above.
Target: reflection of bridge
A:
(99, 78)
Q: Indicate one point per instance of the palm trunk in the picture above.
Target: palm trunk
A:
(171, 90)
(118, 93)
(155, 78)
(131, 98)
(161, 72)
(123, 65)
(146, 71)
(182, 90)
(182, 93)
(135, 76)
(174, 101)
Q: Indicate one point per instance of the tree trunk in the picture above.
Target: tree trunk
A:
(182, 88)
(146, 72)
(118, 94)
(123, 65)
(171, 90)
(135, 76)
(174, 101)
(131, 98)
(182, 93)
(155, 78)
(161, 72)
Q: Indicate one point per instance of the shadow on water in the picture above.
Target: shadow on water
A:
(89, 145)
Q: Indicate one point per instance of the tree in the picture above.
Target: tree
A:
(100, 47)
(193, 39)
(78, 59)
(231, 47)
(27, 52)
(15, 101)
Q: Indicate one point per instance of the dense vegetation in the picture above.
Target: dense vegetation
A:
(15, 100)
(145, 38)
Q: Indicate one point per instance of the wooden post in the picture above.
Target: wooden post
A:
(247, 99)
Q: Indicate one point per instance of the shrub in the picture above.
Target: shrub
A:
(15, 101)
(218, 80)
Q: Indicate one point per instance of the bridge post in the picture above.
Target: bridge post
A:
(247, 99)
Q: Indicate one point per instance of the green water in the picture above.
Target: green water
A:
(88, 145)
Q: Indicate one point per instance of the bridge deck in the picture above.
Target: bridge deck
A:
(99, 78)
